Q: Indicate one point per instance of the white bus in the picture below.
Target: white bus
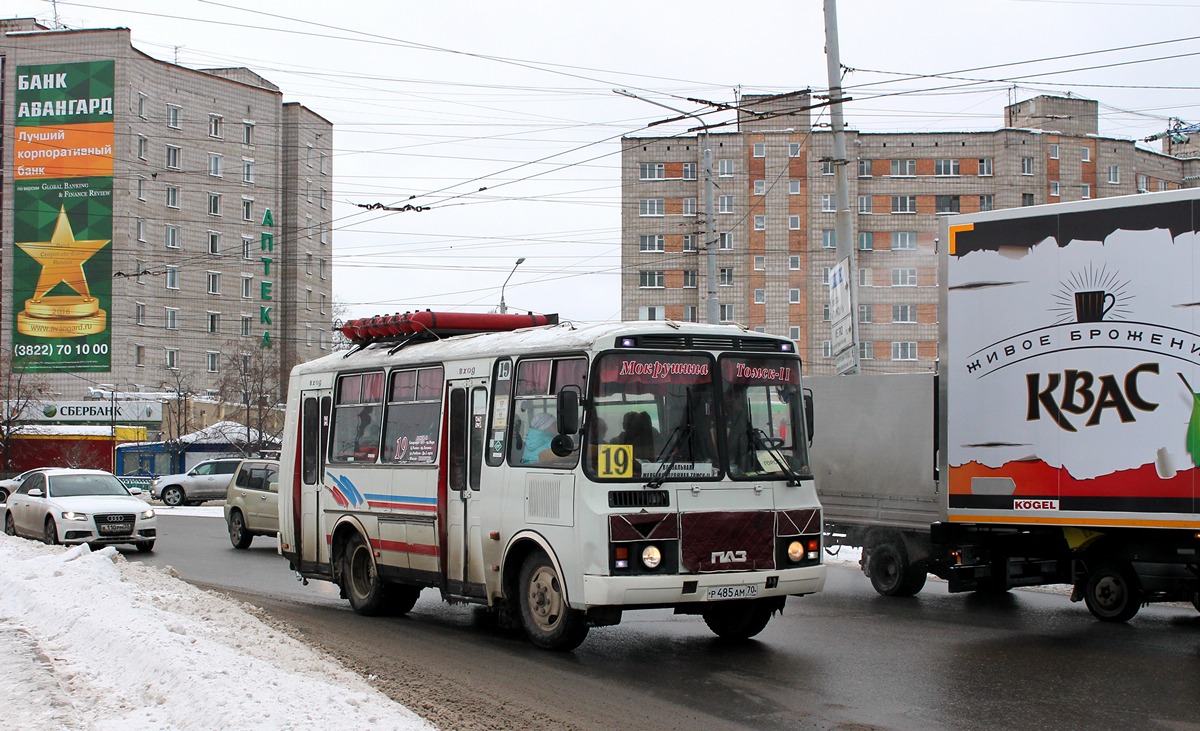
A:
(558, 475)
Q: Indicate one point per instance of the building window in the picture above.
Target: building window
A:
(1085, 190)
(826, 348)
(725, 277)
(212, 360)
(760, 296)
(173, 111)
(139, 313)
(320, 268)
(689, 278)
(1114, 174)
(725, 204)
(308, 263)
(139, 356)
(904, 277)
(793, 262)
(946, 167)
(904, 240)
(828, 203)
(308, 299)
(793, 149)
(174, 156)
(727, 313)
(247, 209)
(214, 283)
(864, 204)
(906, 350)
(828, 238)
(904, 313)
(794, 332)
(172, 358)
(760, 187)
(691, 313)
(323, 233)
(866, 313)
(1027, 166)
(864, 277)
(324, 200)
(1027, 199)
(946, 204)
(214, 164)
(794, 296)
(904, 168)
(247, 133)
(725, 168)
(1053, 188)
(247, 325)
(214, 322)
(651, 242)
(247, 170)
(652, 171)
(214, 242)
(689, 171)
(866, 241)
(322, 303)
(141, 147)
(904, 204)
(866, 350)
(689, 242)
(1143, 183)
(1085, 154)
(760, 149)
(214, 204)
(139, 270)
(725, 241)
(827, 167)
(760, 222)
(172, 236)
(247, 246)
(247, 281)
(985, 167)
(172, 196)
(864, 168)
(141, 188)
(760, 263)
(1053, 151)
(793, 223)
(215, 122)
(793, 187)
(650, 207)
(172, 318)
(141, 230)
(689, 206)
(652, 312)
(651, 279)
(987, 202)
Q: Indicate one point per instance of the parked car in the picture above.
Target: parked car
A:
(252, 501)
(80, 506)
(8, 486)
(206, 481)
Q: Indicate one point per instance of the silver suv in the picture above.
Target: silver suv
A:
(206, 481)
(252, 502)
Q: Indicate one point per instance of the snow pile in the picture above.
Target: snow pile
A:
(89, 641)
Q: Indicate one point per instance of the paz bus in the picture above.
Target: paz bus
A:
(557, 475)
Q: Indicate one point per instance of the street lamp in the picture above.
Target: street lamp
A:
(503, 307)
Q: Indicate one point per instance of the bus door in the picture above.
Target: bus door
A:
(464, 540)
(307, 492)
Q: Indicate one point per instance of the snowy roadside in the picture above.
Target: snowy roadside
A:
(91, 641)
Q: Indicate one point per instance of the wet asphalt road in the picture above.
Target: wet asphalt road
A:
(843, 659)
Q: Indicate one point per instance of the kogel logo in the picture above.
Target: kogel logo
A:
(1078, 393)
(728, 557)
(1035, 505)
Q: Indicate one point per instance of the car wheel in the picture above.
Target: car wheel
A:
(50, 535)
(145, 546)
(10, 528)
(238, 535)
(173, 496)
(3, 495)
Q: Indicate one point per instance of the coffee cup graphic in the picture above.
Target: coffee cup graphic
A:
(1093, 305)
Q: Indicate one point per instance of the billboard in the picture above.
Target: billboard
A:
(63, 217)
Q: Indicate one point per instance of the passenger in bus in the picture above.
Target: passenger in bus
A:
(638, 431)
(742, 458)
(542, 430)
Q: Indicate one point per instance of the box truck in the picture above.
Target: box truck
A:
(1059, 440)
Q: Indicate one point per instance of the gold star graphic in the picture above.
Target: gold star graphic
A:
(62, 258)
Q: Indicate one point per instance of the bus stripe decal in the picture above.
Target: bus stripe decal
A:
(400, 505)
(401, 547)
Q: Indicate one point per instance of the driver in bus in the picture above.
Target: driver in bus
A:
(542, 429)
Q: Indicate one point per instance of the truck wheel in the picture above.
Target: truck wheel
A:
(173, 496)
(737, 620)
(1113, 593)
(892, 574)
(238, 535)
(360, 578)
(549, 622)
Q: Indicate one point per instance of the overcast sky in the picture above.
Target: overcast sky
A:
(432, 102)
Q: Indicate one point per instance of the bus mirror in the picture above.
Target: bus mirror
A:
(568, 411)
(808, 414)
(562, 445)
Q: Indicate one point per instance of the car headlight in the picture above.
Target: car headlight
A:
(651, 557)
(147, 514)
(72, 515)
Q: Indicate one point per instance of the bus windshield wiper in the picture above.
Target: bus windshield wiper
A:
(674, 445)
(764, 443)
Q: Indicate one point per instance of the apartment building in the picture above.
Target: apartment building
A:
(160, 223)
(774, 202)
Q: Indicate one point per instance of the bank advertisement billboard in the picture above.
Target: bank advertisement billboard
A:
(61, 258)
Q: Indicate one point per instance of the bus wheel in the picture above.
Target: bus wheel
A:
(401, 599)
(737, 620)
(549, 622)
(360, 578)
(891, 572)
(1113, 593)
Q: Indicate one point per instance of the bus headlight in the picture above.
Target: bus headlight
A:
(651, 557)
(796, 552)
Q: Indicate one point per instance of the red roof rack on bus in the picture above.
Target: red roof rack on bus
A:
(428, 324)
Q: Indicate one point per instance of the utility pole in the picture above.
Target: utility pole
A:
(841, 169)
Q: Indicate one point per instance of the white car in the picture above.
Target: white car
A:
(80, 506)
(8, 486)
(208, 480)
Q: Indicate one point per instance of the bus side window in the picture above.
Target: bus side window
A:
(358, 418)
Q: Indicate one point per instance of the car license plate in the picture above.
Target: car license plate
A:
(114, 527)
(745, 591)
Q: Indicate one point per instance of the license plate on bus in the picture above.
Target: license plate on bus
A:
(744, 591)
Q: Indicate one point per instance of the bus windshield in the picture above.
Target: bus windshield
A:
(763, 433)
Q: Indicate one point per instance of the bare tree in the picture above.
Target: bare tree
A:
(341, 311)
(252, 380)
(177, 414)
(21, 393)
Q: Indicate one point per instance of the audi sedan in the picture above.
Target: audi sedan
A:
(80, 506)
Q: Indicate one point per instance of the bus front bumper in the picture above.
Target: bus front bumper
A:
(666, 590)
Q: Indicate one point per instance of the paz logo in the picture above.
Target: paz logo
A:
(50, 411)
